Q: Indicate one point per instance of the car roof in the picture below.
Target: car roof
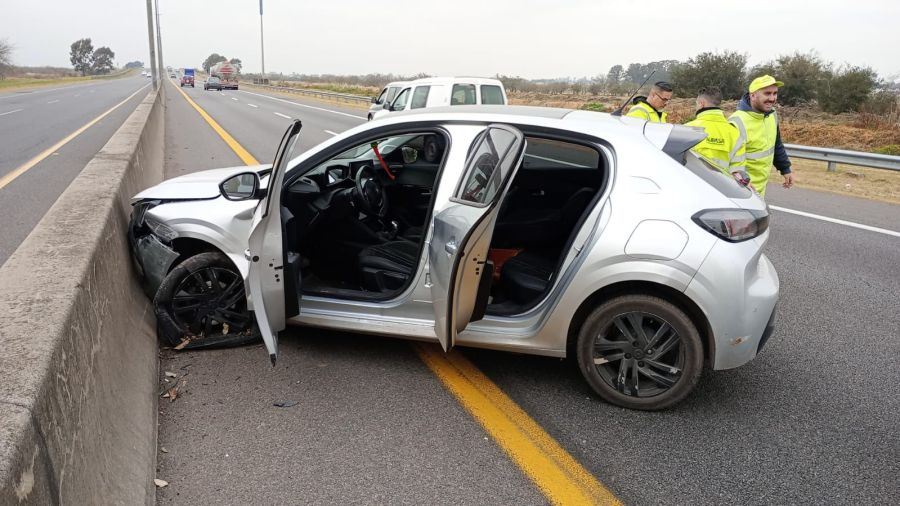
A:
(457, 79)
(593, 123)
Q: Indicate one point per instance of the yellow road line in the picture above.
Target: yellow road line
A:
(11, 176)
(239, 150)
(557, 474)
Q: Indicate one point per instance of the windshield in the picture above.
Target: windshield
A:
(213, 79)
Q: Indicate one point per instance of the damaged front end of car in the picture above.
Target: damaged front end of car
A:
(193, 309)
(151, 246)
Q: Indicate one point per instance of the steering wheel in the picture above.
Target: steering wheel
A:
(370, 193)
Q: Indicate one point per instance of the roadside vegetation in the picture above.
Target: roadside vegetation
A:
(87, 64)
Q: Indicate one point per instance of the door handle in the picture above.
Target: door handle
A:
(450, 247)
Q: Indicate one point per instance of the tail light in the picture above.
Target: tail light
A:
(733, 225)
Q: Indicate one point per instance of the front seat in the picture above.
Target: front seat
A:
(388, 266)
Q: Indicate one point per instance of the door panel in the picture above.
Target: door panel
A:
(462, 231)
(266, 252)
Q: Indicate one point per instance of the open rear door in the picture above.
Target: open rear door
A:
(267, 274)
(458, 267)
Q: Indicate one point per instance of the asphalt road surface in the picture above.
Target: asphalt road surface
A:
(812, 420)
(34, 120)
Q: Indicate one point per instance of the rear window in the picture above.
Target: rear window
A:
(463, 94)
(420, 97)
(712, 175)
(491, 94)
(554, 154)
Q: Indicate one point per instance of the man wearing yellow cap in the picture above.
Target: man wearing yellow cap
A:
(757, 125)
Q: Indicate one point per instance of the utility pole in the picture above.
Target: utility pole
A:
(162, 70)
(262, 47)
(152, 45)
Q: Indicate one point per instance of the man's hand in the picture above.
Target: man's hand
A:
(788, 180)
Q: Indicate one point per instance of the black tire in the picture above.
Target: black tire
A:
(624, 364)
(204, 301)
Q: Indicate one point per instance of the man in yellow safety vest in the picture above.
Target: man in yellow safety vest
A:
(757, 124)
(721, 148)
(650, 108)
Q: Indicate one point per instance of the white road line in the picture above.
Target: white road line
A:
(10, 112)
(330, 132)
(304, 105)
(836, 221)
(53, 101)
(253, 105)
(282, 115)
(232, 98)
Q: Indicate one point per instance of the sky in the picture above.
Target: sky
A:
(527, 38)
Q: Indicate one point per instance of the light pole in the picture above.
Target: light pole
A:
(162, 71)
(262, 47)
(152, 45)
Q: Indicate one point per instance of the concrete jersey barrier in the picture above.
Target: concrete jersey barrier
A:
(78, 353)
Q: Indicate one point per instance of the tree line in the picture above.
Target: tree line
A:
(808, 79)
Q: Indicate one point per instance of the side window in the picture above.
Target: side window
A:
(487, 165)
(392, 92)
(552, 154)
(420, 97)
(491, 94)
(400, 102)
(462, 94)
(381, 98)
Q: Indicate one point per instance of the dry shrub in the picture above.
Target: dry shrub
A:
(831, 135)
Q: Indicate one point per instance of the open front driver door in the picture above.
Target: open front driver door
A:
(458, 267)
(267, 274)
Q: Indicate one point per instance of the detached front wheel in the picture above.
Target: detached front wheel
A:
(203, 301)
(640, 352)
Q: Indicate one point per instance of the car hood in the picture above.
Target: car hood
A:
(197, 185)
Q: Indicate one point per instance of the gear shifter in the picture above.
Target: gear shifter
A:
(390, 231)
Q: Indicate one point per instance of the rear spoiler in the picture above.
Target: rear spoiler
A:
(680, 140)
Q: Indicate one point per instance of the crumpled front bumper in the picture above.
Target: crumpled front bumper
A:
(153, 258)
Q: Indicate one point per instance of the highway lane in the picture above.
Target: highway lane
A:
(812, 420)
(43, 118)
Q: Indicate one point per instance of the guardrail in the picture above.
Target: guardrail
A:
(836, 156)
(315, 93)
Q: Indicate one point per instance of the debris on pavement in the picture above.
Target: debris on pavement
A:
(170, 374)
(163, 449)
(160, 483)
(286, 404)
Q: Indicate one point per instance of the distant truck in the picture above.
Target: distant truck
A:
(227, 74)
(187, 78)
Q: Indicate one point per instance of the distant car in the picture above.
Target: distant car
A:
(172, 75)
(187, 81)
(213, 83)
(384, 99)
(145, 73)
(443, 91)
(532, 230)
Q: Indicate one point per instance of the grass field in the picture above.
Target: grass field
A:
(16, 83)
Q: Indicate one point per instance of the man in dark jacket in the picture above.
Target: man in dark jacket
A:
(757, 124)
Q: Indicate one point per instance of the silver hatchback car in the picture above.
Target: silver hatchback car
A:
(533, 230)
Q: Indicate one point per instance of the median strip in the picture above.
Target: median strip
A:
(557, 474)
(11, 176)
(239, 150)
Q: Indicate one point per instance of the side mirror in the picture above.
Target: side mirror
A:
(241, 186)
(374, 100)
(387, 105)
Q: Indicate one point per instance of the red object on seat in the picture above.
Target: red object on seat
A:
(499, 257)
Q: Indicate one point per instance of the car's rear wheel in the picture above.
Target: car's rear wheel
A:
(640, 352)
(203, 301)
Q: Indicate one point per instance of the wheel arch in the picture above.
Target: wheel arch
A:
(664, 292)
